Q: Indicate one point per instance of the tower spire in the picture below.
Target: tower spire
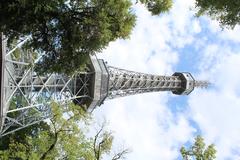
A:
(202, 84)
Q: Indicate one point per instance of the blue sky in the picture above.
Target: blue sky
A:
(156, 125)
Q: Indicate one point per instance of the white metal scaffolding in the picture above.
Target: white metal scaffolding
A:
(27, 95)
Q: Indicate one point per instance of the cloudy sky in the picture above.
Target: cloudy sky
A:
(156, 125)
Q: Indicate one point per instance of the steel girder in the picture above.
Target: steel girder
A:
(27, 95)
(124, 83)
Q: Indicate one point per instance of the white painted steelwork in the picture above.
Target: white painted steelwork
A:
(26, 95)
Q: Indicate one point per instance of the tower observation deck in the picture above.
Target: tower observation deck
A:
(26, 96)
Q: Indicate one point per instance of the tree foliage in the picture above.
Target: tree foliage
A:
(199, 151)
(157, 7)
(62, 139)
(227, 12)
(66, 30)
(20, 136)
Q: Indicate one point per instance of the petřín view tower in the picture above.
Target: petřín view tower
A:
(26, 95)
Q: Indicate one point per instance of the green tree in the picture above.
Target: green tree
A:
(199, 151)
(227, 12)
(67, 31)
(20, 136)
(64, 139)
(157, 7)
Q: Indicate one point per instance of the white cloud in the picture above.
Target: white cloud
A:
(147, 126)
(225, 33)
(232, 35)
(212, 25)
(144, 122)
(216, 110)
(147, 46)
(217, 115)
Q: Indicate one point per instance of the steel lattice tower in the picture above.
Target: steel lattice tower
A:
(26, 96)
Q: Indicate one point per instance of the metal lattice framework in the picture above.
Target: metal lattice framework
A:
(123, 83)
(27, 95)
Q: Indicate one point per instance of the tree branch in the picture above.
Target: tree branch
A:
(120, 154)
(97, 151)
(50, 148)
(54, 142)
